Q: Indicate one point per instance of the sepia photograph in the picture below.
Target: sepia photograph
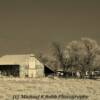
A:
(49, 50)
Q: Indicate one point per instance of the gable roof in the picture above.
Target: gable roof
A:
(15, 59)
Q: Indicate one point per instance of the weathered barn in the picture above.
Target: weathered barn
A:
(21, 66)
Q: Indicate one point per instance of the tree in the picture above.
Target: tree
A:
(48, 61)
(74, 54)
(92, 49)
(96, 62)
(43, 58)
(82, 54)
(59, 55)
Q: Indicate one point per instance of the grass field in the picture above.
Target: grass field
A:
(51, 89)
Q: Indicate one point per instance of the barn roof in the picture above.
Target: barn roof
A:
(14, 59)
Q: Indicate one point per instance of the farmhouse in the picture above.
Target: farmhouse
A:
(25, 65)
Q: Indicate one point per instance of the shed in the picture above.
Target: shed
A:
(22, 65)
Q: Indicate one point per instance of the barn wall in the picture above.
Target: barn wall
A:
(36, 72)
(31, 63)
(31, 73)
(40, 72)
(39, 68)
(22, 71)
(33, 68)
(36, 68)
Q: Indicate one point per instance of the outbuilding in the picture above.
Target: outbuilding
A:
(22, 65)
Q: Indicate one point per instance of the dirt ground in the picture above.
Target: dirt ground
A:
(49, 89)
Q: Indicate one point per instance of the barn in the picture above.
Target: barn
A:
(22, 65)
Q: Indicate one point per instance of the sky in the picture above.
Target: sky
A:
(30, 26)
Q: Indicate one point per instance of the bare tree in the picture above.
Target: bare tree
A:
(96, 62)
(92, 49)
(43, 58)
(48, 61)
(82, 54)
(58, 54)
(74, 54)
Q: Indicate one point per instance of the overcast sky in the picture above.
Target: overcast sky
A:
(32, 25)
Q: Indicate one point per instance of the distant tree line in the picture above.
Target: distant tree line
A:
(82, 55)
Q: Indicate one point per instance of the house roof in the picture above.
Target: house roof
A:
(15, 59)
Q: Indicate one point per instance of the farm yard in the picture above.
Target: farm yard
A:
(49, 50)
(52, 89)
